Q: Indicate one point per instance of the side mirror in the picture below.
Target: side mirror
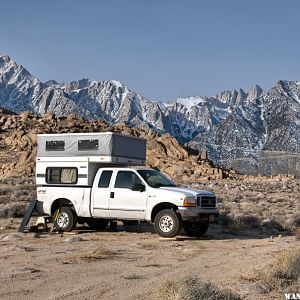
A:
(138, 187)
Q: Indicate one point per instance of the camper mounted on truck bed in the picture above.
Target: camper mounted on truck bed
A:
(86, 178)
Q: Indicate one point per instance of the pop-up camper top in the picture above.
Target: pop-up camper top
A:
(98, 147)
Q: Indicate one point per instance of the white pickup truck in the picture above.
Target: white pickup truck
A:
(88, 189)
(130, 194)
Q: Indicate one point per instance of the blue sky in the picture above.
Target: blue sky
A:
(161, 49)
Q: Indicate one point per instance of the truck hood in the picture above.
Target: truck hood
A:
(187, 191)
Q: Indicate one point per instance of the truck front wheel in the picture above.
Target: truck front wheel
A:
(64, 218)
(195, 228)
(167, 223)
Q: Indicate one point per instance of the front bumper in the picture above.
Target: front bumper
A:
(197, 214)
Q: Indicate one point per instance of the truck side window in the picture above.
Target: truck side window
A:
(126, 180)
(61, 175)
(105, 179)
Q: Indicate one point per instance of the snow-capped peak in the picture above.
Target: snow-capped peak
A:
(117, 83)
(4, 57)
(190, 101)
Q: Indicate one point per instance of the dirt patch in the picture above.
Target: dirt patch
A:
(132, 265)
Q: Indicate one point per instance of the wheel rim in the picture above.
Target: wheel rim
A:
(63, 220)
(166, 223)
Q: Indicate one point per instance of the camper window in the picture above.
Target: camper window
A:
(88, 145)
(55, 145)
(57, 175)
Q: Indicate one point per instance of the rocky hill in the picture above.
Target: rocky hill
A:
(261, 135)
(252, 132)
(18, 146)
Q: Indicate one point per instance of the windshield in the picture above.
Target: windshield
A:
(155, 179)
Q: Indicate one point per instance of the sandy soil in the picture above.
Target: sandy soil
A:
(128, 265)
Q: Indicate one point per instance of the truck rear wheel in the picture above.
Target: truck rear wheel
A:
(195, 228)
(167, 223)
(64, 219)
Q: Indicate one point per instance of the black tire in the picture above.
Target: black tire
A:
(98, 224)
(167, 223)
(65, 219)
(195, 228)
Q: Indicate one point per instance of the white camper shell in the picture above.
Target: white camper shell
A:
(107, 147)
(86, 178)
(82, 154)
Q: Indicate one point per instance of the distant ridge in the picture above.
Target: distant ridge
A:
(239, 129)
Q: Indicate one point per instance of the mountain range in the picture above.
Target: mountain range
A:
(252, 132)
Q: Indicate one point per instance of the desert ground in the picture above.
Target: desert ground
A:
(135, 263)
(256, 226)
(130, 264)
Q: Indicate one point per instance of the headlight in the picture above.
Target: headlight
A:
(189, 201)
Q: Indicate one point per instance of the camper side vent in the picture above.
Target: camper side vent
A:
(88, 145)
(55, 145)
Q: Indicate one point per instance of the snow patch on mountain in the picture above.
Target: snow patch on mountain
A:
(189, 102)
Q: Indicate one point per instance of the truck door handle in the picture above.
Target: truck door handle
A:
(112, 195)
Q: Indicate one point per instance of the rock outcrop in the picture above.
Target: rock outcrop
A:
(18, 146)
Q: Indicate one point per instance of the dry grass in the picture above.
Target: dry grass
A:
(99, 253)
(288, 266)
(284, 273)
(267, 204)
(249, 220)
(297, 233)
(193, 288)
(235, 228)
(15, 195)
(230, 224)
(148, 246)
(16, 209)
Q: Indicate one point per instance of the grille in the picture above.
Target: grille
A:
(207, 201)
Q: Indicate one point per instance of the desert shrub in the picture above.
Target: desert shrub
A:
(225, 218)
(98, 253)
(193, 288)
(289, 266)
(235, 228)
(296, 221)
(232, 223)
(249, 220)
(274, 224)
(285, 272)
(297, 233)
(8, 190)
(12, 210)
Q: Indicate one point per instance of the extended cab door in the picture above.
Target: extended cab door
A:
(125, 203)
(101, 194)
